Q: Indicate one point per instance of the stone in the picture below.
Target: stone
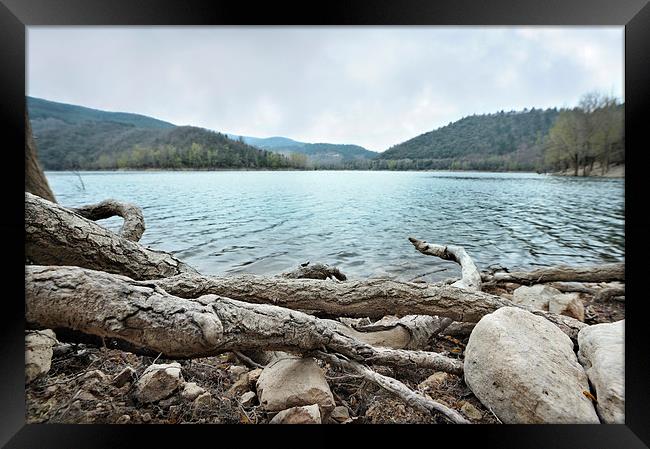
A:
(536, 297)
(146, 417)
(602, 353)
(340, 414)
(241, 386)
(254, 375)
(158, 382)
(38, 353)
(191, 391)
(124, 419)
(470, 411)
(247, 399)
(292, 382)
(127, 375)
(203, 400)
(236, 371)
(568, 304)
(523, 368)
(97, 375)
(307, 414)
(434, 381)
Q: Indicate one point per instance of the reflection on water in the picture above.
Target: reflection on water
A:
(268, 222)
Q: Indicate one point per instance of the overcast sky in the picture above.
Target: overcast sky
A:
(373, 86)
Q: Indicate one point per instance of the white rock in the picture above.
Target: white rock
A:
(568, 304)
(602, 353)
(158, 382)
(191, 391)
(236, 371)
(247, 399)
(308, 414)
(523, 368)
(38, 353)
(536, 297)
(291, 382)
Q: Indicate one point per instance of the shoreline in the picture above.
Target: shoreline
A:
(615, 173)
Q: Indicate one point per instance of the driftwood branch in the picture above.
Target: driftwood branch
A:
(133, 226)
(149, 320)
(394, 386)
(470, 276)
(611, 293)
(55, 235)
(592, 273)
(373, 298)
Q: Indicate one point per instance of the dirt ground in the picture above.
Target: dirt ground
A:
(79, 388)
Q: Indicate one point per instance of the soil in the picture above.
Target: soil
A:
(79, 387)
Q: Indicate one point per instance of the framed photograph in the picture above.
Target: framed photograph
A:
(353, 214)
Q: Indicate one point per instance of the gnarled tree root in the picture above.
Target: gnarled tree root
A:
(394, 386)
(55, 235)
(133, 226)
(148, 319)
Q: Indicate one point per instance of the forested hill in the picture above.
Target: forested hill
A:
(40, 109)
(503, 140)
(76, 138)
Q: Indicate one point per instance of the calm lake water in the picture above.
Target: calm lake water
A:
(269, 222)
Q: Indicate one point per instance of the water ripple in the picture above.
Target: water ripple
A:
(268, 222)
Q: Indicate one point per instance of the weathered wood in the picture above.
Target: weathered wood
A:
(373, 298)
(133, 226)
(148, 319)
(35, 180)
(395, 387)
(592, 273)
(470, 276)
(55, 235)
(611, 293)
(572, 287)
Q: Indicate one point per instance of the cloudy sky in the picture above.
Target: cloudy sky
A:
(372, 86)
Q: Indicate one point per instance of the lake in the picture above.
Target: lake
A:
(267, 222)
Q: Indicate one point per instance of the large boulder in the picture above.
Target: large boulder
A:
(158, 382)
(38, 353)
(523, 368)
(602, 353)
(292, 382)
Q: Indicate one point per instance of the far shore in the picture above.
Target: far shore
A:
(614, 172)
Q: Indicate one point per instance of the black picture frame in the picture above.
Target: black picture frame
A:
(15, 15)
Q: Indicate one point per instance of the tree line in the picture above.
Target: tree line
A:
(592, 132)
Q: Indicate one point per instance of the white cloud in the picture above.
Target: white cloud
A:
(372, 86)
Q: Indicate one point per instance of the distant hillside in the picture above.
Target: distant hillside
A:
(72, 137)
(40, 109)
(319, 154)
(504, 140)
(269, 143)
